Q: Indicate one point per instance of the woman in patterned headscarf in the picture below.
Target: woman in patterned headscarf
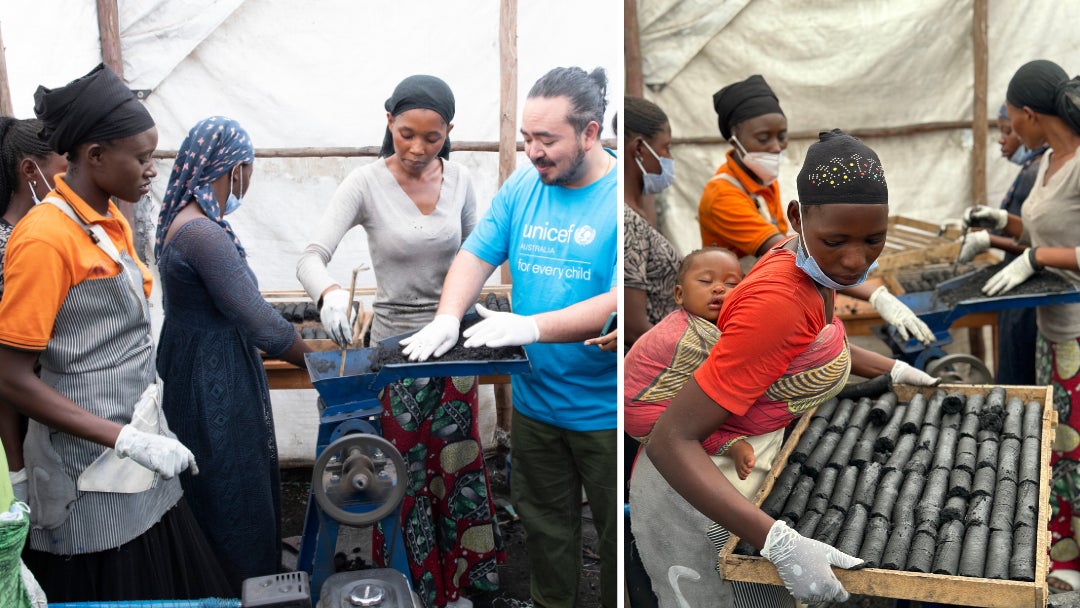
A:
(216, 321)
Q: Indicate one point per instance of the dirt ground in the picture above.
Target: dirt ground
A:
(355, 544)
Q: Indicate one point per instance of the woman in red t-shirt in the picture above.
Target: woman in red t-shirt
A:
(781, 353)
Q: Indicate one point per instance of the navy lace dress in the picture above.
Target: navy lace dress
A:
(216, 396)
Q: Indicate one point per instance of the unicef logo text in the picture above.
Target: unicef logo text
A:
(582, 235)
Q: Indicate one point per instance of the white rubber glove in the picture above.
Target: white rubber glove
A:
(982, 216)
(973, 244)
(803, 564)
(434, 339)
(896, 313)
(1018, 271)
(33, 589)
(163, 455)
(335, 312)
(902, 373)
(501, 329)
(19, 485)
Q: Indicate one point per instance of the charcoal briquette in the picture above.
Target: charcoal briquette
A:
(861, 413)
(949, 546)
(910, 491)
(842, 454)
(1001, 515)
(887, 492)
(969, 425)
(937, 485)
(974, 404)
(928, 438)
(932, 415)
(796, 502)
(826, 480)
(998, 551)
(953, 402)
(864, 447)
(825, 410)
(954, 509)
(1033, 420)
(311, 311)
(978, 510)
(1030, 460)
(866, 486)
(841, 414)
(822, 451)
(845, 488)
(1022, 561)
(905, 446)
(920, 461)
(896, 548)
(883, 408)
(945, 451)
(1008, 459)
(808, 523)
(1027, 498)
(927, 513)
(785, 482)
(829, 526)
(984, 482)
(952, 421)
(886, 439)
(913, 418)
(810, 437)
(921, 554)
(986, 435)
(873, 545)
(959, 483)
(973, 551)
(851, 535)
(1014, 419)
(966, 452)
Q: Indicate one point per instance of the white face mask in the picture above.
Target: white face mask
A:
(765, 165)
(33, 193)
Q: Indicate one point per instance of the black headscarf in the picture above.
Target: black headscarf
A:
(742, 101)
(1045, 87)
(841, 169)
(420, 91)
(95, 107)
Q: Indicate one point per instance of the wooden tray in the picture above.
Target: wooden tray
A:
(958, 590)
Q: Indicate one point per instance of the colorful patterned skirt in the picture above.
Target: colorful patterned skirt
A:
(447, 517)
(1058, 364)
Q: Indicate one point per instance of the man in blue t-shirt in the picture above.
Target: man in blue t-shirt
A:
(555, 222)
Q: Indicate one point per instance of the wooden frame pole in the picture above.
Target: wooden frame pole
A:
(6, 108)
(109, 30)
(980, 124)
(635, 78)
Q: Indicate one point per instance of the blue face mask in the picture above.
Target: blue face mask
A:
(1020, 155)
(657, 182)
(805, 262)
(233, 202)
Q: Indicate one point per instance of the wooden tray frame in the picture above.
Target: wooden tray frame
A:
(912, 243)
(958, 590)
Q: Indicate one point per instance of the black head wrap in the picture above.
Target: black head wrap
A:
(1045, 87)
(841, 169)
(742, 101)
(420, 91)
(95, 107)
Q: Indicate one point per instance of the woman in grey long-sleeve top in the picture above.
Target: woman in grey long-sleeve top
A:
(417, 207)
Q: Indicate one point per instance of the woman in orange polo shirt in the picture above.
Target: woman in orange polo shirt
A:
(108, 519)
(740, 208)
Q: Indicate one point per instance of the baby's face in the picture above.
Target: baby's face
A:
(711, 276)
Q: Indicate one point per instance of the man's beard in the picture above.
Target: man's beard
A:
(573, 172)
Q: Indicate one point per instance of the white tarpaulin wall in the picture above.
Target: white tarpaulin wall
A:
(305, 74)
(870, 64)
